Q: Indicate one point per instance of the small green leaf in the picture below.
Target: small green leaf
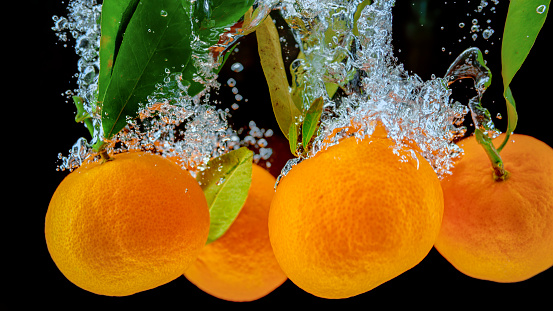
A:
(213, 14)
(225, 183)
(311, 121)
(270, 54)
(293, 138)
(357, 14)
(212, 17)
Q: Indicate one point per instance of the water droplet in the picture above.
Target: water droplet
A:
(163, 13)
(541, 9)
(262, 142)
(461, 25)
(234, 106)
(237, 67)
(238, 97)
(499, 116)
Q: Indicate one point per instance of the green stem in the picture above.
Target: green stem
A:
(84, 116)
(499, 172)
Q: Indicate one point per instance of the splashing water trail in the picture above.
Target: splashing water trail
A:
(347, 60)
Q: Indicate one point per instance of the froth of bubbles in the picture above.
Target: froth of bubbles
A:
(170, 123)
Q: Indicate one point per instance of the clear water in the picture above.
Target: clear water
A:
(356, 54)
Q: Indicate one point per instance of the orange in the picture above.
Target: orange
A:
(127, 225)
(500, 231)
(354, 216)
(240, 265)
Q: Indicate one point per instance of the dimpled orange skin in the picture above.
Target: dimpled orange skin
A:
(500, 231)
(127, 225)
(240, 265)
(353, 217)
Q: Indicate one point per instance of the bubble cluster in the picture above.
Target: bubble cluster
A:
(81, 24)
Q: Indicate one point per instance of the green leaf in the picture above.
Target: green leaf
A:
(218, 14)
(311, 121)
(115, 18)
(357, 14)
(525, 19)
(157, 37)
(522, 26)
(293, 138)
(225, 183)
(273, 67)
(212, 17)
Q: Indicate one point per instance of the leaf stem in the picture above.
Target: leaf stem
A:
(499, 171)
(82, 115)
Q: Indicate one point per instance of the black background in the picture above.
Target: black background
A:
(40, 125)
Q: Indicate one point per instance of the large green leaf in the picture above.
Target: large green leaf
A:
(525, 19)
(115, 18)
(226, 182)
(143, 38)
(157, 37)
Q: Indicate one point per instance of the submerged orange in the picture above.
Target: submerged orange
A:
(127, 225)
(240, 265)
(500, 231)
(354, 216)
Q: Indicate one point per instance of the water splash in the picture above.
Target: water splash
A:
(374, 86)
(343, 46)
(469, 64)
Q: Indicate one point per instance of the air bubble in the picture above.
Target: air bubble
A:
(541, 9)
(486, 34)
(237, 67)
(231, 82)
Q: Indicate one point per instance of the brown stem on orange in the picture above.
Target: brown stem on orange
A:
(105, 156)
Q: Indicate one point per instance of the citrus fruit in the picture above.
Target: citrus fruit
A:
(240, 265)
(127, 225)
(499, 231)
(354, 216)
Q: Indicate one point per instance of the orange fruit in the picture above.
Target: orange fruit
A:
(500, 231)
(127, 225)
(354, 216)
(240, 265)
